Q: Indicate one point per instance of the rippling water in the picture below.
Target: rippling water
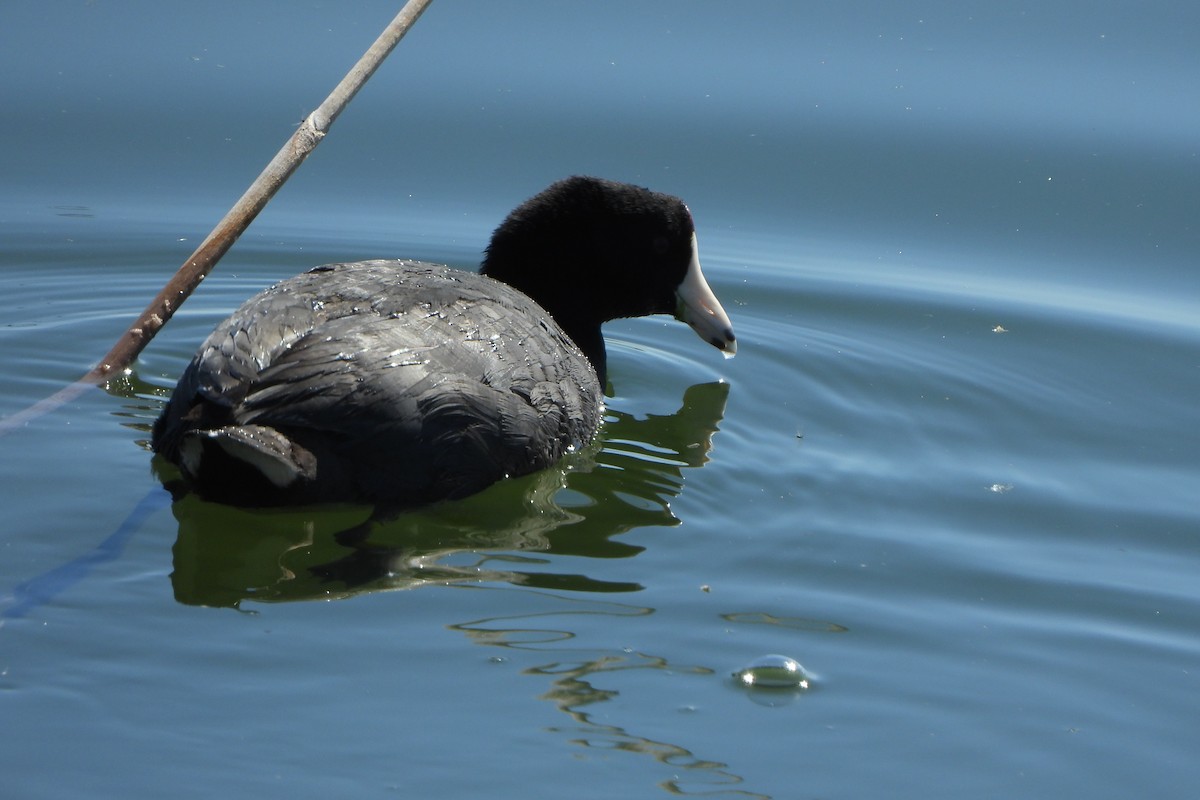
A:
(952, 471)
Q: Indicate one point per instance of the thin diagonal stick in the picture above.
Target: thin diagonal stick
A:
(234, 223)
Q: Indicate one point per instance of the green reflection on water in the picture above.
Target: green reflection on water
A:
(506, 534)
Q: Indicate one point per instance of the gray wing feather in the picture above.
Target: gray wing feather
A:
(408, 378)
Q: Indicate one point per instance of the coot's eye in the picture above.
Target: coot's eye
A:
(661, 245)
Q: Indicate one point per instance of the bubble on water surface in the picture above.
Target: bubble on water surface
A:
(773, 672)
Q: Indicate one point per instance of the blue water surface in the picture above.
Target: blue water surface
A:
(952, 471)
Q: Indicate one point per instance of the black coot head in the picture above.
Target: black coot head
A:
(589, 250)
(599, 248)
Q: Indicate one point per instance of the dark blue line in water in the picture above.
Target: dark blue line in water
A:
(45, 587)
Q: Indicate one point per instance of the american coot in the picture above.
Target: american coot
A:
(400, 383)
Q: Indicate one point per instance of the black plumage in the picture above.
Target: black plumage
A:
(399, 383)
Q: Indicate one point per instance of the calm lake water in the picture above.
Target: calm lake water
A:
(953, 470)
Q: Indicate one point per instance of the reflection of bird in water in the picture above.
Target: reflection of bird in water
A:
(626, 480)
